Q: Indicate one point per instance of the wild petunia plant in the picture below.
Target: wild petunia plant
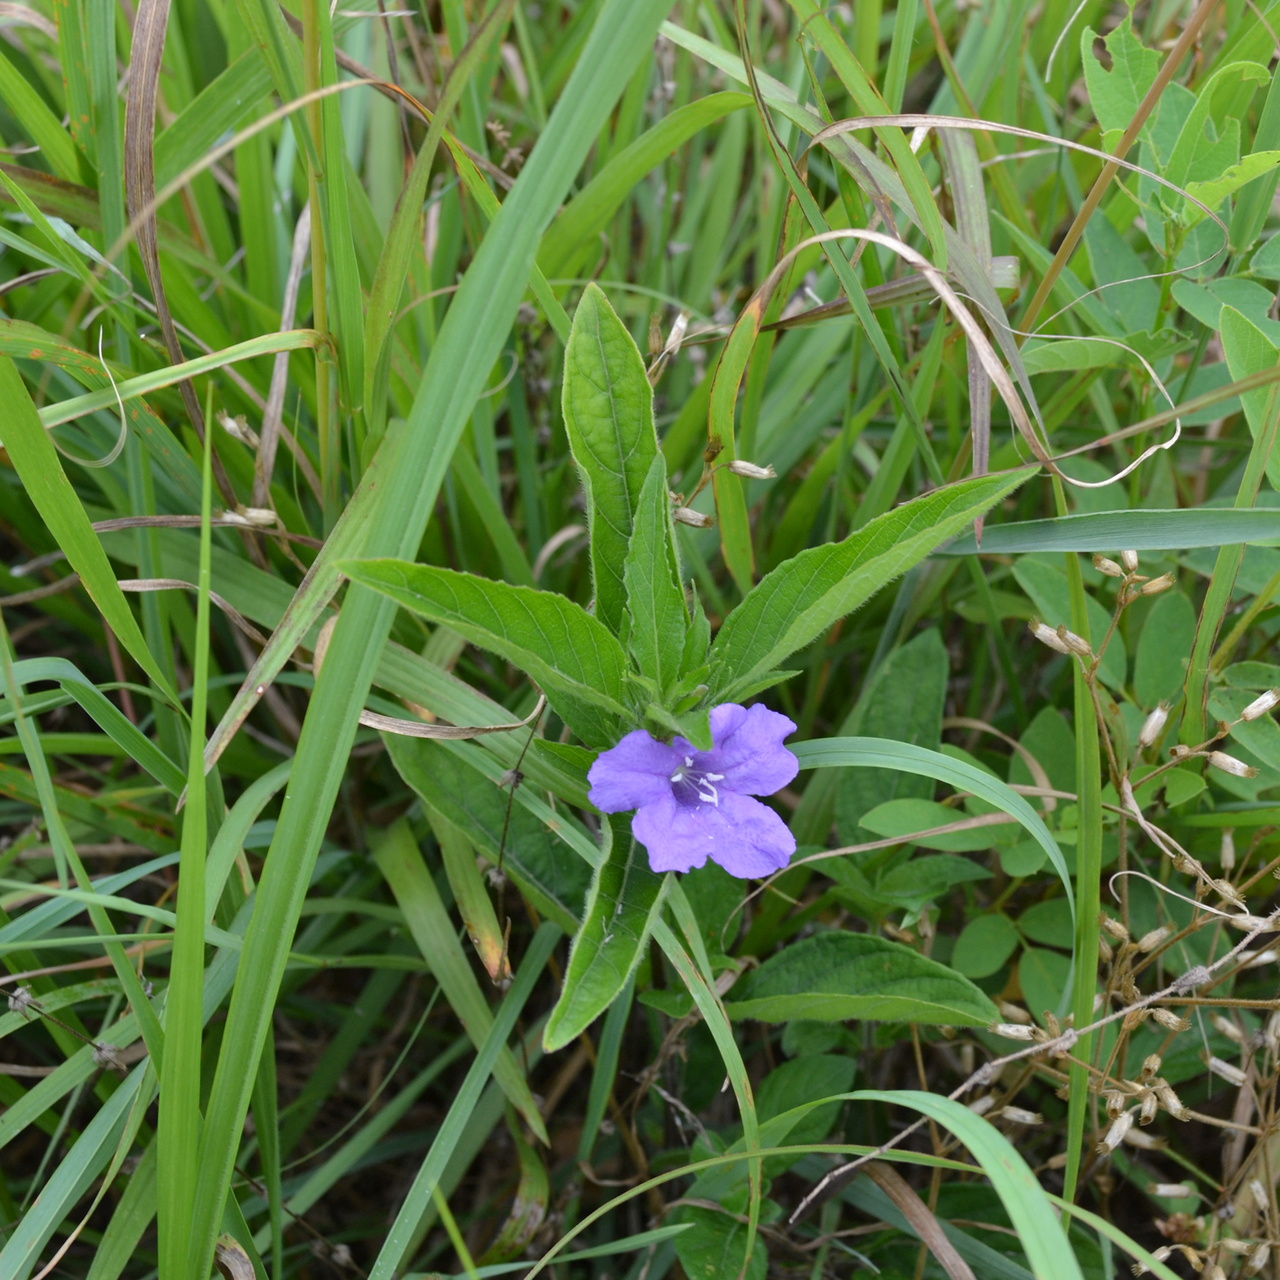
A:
(638, 678)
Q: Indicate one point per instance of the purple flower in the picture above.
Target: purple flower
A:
(691, 805)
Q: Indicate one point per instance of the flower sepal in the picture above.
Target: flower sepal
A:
(695, 726)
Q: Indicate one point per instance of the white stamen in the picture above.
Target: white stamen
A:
(688, 762)
(714, 777)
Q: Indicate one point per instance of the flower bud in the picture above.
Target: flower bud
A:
(1171, 1190)
(1109, 567)
(1156, 585)
(1153, 725)
(1229, 764)
(1227, 853)
(1046, 635)
(1259, 1194)
(749, 470)
(1261, 705)
(1130, 561)
(1169, 1020)
(1263, 958)
(1075, 643)
(980, 1106)
(1120, 1126)
(686, 515)
(1012, 1031)
(1228, 1071)
(1014, 1012)
(1020, 1115)
(1170, 1101)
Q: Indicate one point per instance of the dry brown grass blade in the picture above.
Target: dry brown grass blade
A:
(922, 1221)
(150, 25)
(273, 415)
(178, 584)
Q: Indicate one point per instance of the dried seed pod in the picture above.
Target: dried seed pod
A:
(1113, 927)
(1150, 1066)
(1227, 851)
(1179, 752)
(1215, 1272)
(749, 470)
(1149, 1108)
(1075, 643)
(1228, 891)
(1151, 940)
(1130, 561)
(1013, 1012)
(1272, 1032)
(1157, 585)
(1109, 567)
(1261, 705)
(1228, 1028)
(1047, 635)
(1229, 764)
(1228, 1071)
(1153, 725)
(1171, 1190)
(1020, 1115)
(1238, 1247)
(981, 1106)
(1143, 1140)
(1170, 1101)
(1259, 1194)
(1116, 1102)
(1105, 954)
(1012, 1031)
(686, 515)
(1115, 1135)
(1258, 1259)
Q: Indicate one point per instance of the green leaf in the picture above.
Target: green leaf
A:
(1213, 191)
(1116, 94)
(1044, 977)
(608, 413)
(657, 617)
(1108, 531)
(624, 901)
(572, 236)
(803, 596)
(1042, 355)
(903, 817)
(984, 945)
(1205, 302)
(833, 977)
(1034, 1219)
(550, 874)
(904, 701)
(1160, 665)
(922, 880)
(396, 853)
(1249, 350)
(1198, 155)
(1048, 922)
(37, 464)
(577, 663)
(880, 753)
(1261, 736)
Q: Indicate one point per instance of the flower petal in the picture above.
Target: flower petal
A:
(751, 840)
(636, 772)
(676, 837)
(748, 749)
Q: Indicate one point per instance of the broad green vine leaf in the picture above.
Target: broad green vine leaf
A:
(608, 413)
(574, 659)
(1212, 191)
(833, 977)
(1249, 350)
(624, 901)
(803, 596)
(1116, 93)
